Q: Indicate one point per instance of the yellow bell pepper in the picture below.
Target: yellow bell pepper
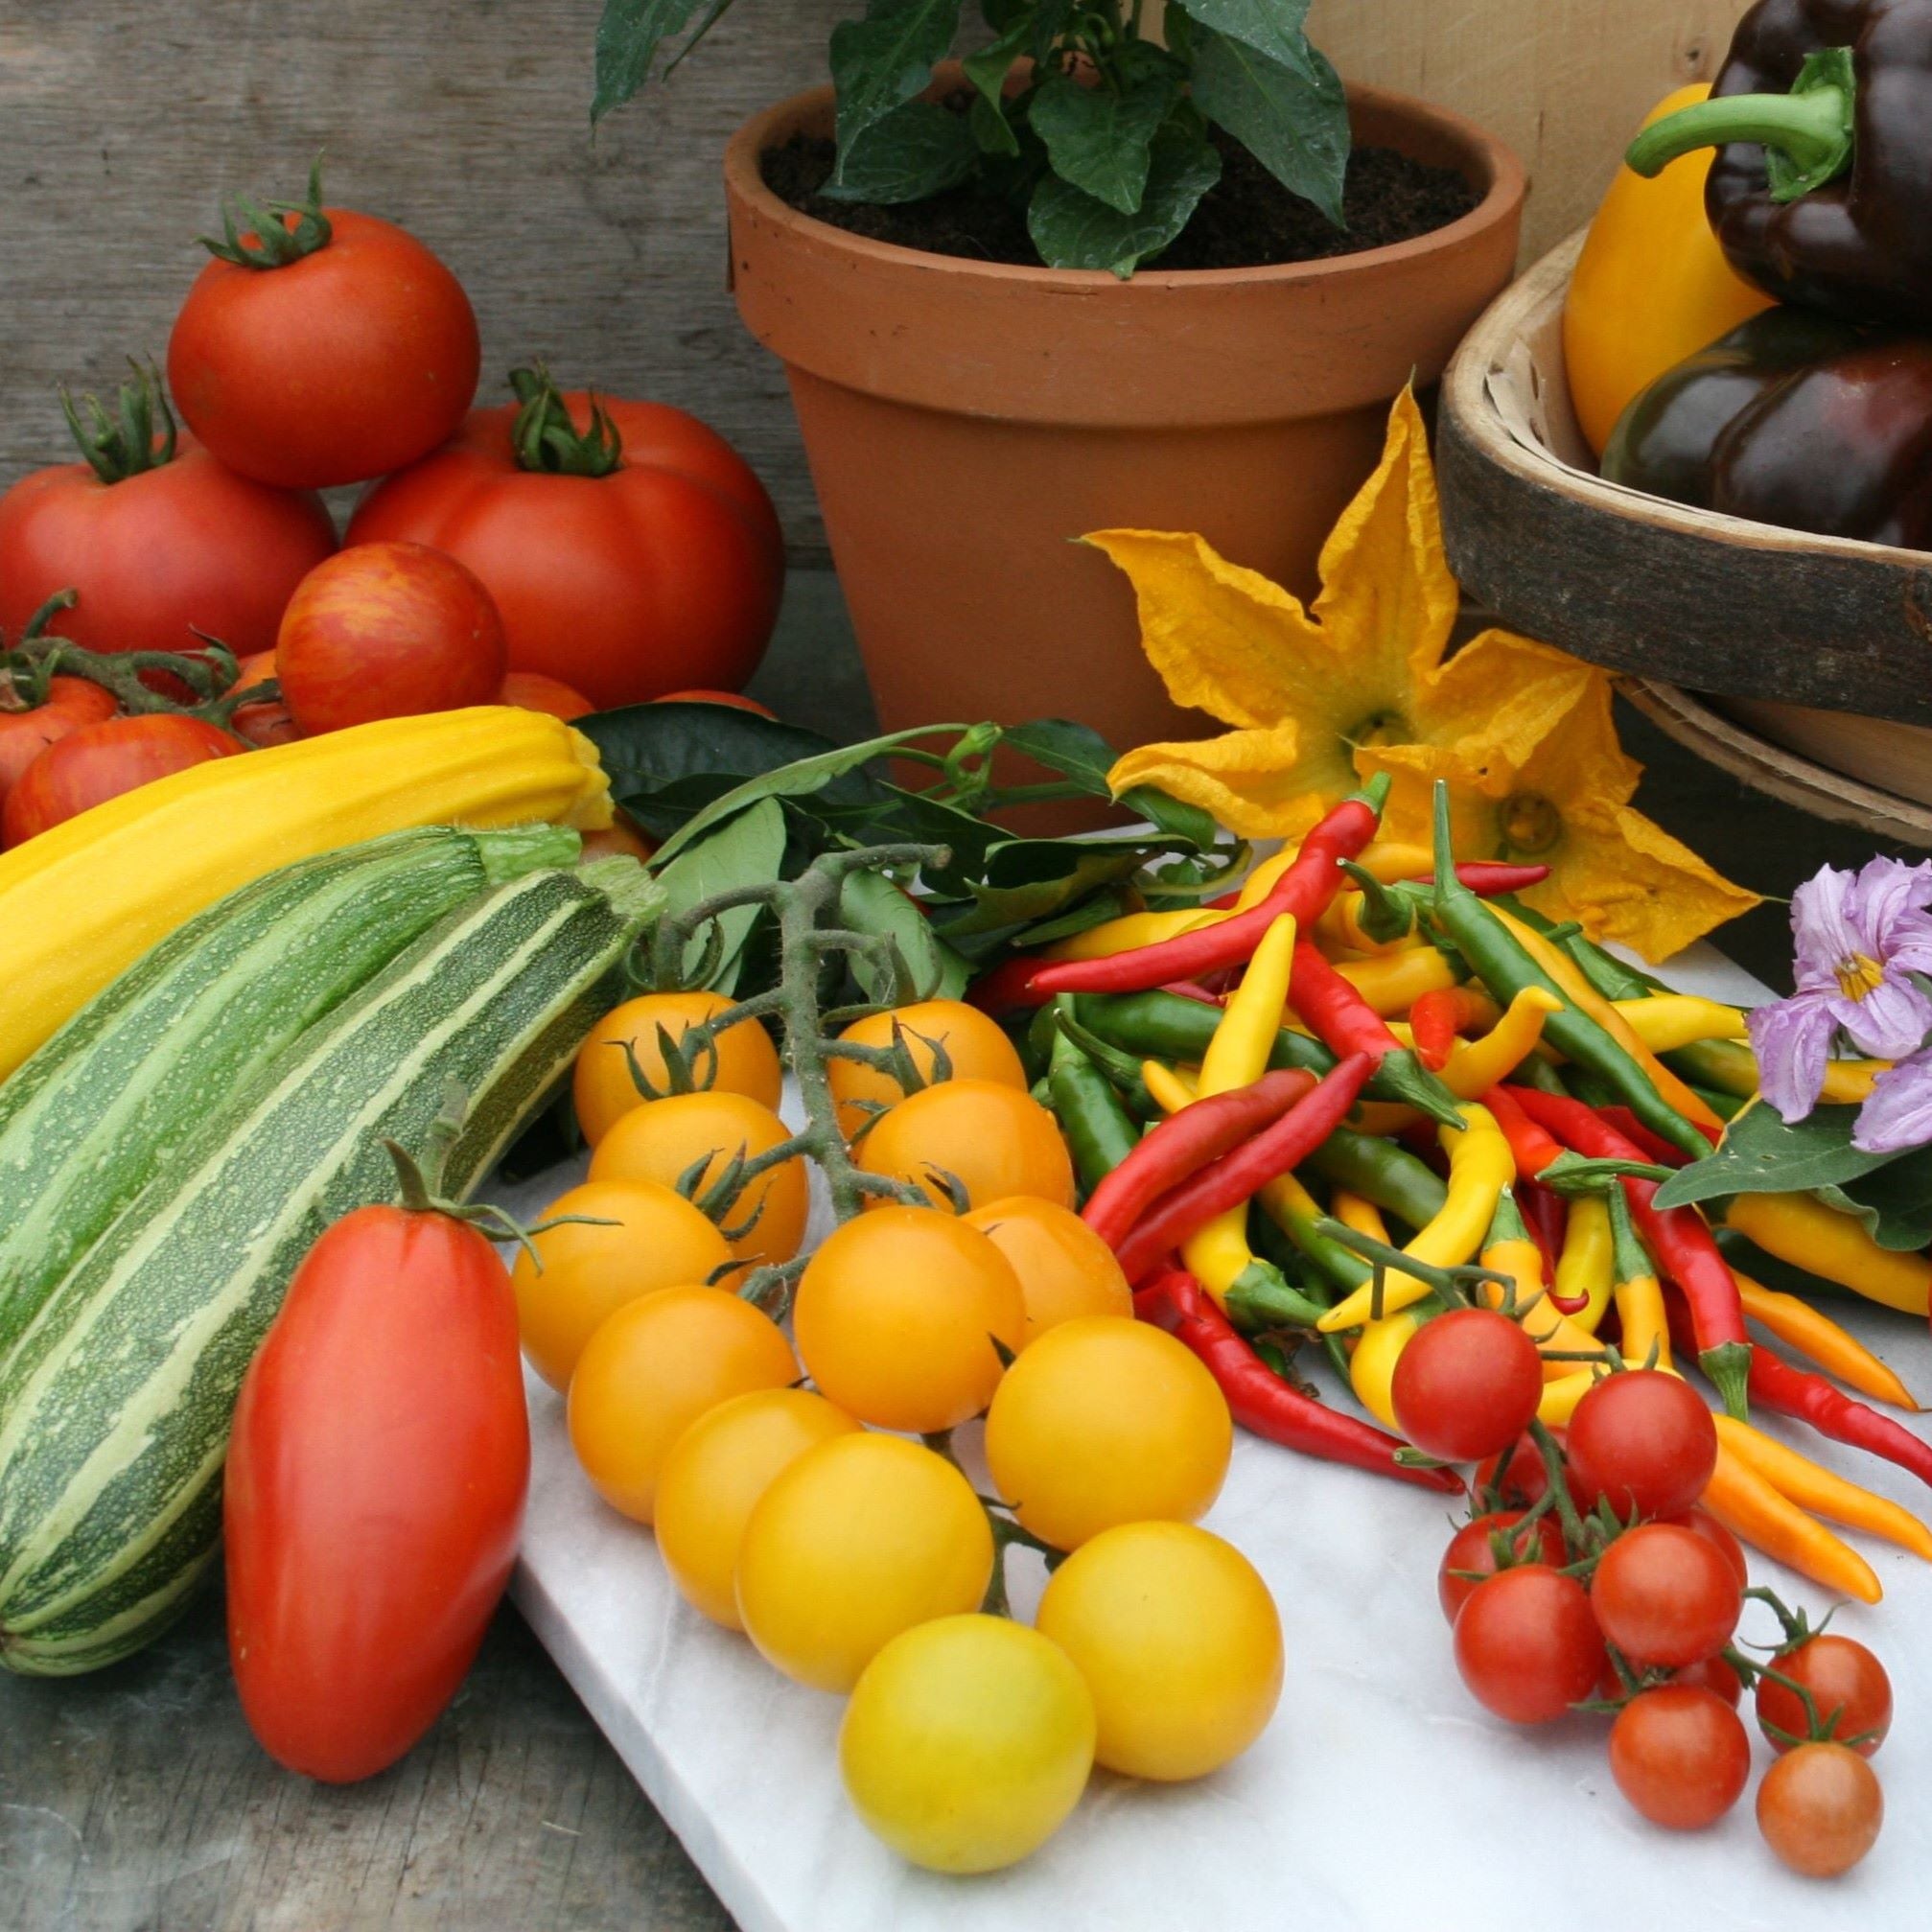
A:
(1650, 288)
(1800, 1229)
(1668, 1020)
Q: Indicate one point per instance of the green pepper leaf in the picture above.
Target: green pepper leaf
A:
(1032, 879)
(986, 71)
(1073, 229)
(1761, 1155)
(1292, 119)
(1270, 27)
(1894, 1202)
(869, 902)
(745, 851)
(916, 151)
(1100, 140)
(629, 34)
(884, 60)
(1075, 751)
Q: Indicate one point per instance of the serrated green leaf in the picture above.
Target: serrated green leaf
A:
(745, 851)
(1761, 1155)
(885, 60)
(1270, 27)
(916, 151)
(629, 34)
(1073, 230)
(869, 902)
(1100, 140)
(1292, 119)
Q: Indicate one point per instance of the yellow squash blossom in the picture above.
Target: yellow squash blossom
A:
(1319, 697)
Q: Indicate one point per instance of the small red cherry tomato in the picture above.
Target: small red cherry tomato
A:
(1681, 1756)
(1664, 1596)
(1847, 1685)
(375, 1489)
(387, 631)
(261, 724)
(1821, 1809)
(27, 732)
(1467, 1384)
(1519, 1475)
(1644, 1441)
(1714, 1674)
(99, 762)
(1527, 1646)
(1701, 1522)
(1471, 1555)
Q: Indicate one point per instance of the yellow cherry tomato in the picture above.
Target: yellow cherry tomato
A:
(712, 1479)
(651, 1370)
(975, 1049)
(635, 1238)
(1178, 1641)
(895, 1318)
(1064, 1267)
(746, 1061)
(665, 1139)
(994, 1140)
(1102, 1422)
(968, 1742)
(861, 1538)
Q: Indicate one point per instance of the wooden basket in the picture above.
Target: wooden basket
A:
(1812, 655)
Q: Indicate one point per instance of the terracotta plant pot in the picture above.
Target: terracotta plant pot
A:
(965, 420)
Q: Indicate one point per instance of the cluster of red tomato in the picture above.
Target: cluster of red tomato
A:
(598, 551)
(1590, 1578)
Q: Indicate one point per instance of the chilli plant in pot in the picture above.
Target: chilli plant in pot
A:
(1099, 133)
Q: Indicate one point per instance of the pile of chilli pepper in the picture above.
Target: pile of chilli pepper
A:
(1373, 1087)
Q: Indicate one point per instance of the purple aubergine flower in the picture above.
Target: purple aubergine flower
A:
(1898, 1115)
(1858, 942)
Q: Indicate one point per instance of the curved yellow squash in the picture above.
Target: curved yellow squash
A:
(81, 903)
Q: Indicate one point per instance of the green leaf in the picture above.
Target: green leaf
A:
(885, 60)
(801, 779)
(1292, 119)
(1894, 1202)
(987, 71)
(1173, 815)
(1073, 230)
(916, 151)
(1075, 751)
(869, 902)
(1089, 913)
(1100, 140)
(1270, 27)
(1042, 879)
(745, 851)
(629, 34)
(1761, 1155)
(685, 755)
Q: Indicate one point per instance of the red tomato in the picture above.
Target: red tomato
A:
(1527, 1644)
(738, 701)
(387, 631)
(185, 547)
(661, 574)
(352, 360)
(1680, 1756)
(1701, 1522)
(71, 703)
(99, 762)
(1644, 1441)
(1471, 1555)
(1467, 1384)
(270, 723)
(532, 692)
(1821, 1809)
(1664, 1596)
(1714, 1674)
(1519, 1475)
(373, 1491)
(1847, 1683)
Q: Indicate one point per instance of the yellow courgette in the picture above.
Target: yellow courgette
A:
(82, 903)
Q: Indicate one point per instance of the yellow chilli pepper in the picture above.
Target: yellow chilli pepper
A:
(1371, 1368)
(1362, 1216)
(1816, 1336)
(1732, 1067)
(1638, 1293)
(1509, 1250)
(1237, 1057)
(1261, 881)
(1811, 1486)
(1477, 1065)
(1800, 1229)
(1754, 1509)
(1560, 1397)
(1131, 930)
(1338, 929)
(1172, 1087)
(1668, 1020)
(1391, 860)
(1394, 982)
(1583, 1268)
(1481, 1165)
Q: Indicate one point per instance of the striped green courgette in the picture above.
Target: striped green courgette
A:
(188, 1035)
(116, 1402)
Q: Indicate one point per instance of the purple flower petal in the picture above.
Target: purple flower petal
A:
(1898, 1115)
(1821, 929)
(1884, 899)
(1792, 1038)
(1891, 1021)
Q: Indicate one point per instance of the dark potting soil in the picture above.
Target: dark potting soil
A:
(1246, 220)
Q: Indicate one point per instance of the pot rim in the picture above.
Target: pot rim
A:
(1493, 167)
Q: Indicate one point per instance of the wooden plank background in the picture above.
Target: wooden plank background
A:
(123, 120)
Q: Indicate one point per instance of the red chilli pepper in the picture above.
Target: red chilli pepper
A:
(1183, 1144)
(1241, 1174)
(1008, 987)
(1546, 1215)
(1533, 1147)
(1261, 1400)
(1187, 989)
(1305, 890)
(1796, 1392)
(1655, 1146)
(1676, 1236)
(1433, 1022)
(1489, 879)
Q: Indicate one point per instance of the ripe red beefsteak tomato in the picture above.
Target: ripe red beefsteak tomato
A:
(159, 540)
(387, 631)
(329, 350)
(375, 1489)
(629, 549)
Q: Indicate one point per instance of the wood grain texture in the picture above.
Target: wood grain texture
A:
(1629, 581)
(1564, 82)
